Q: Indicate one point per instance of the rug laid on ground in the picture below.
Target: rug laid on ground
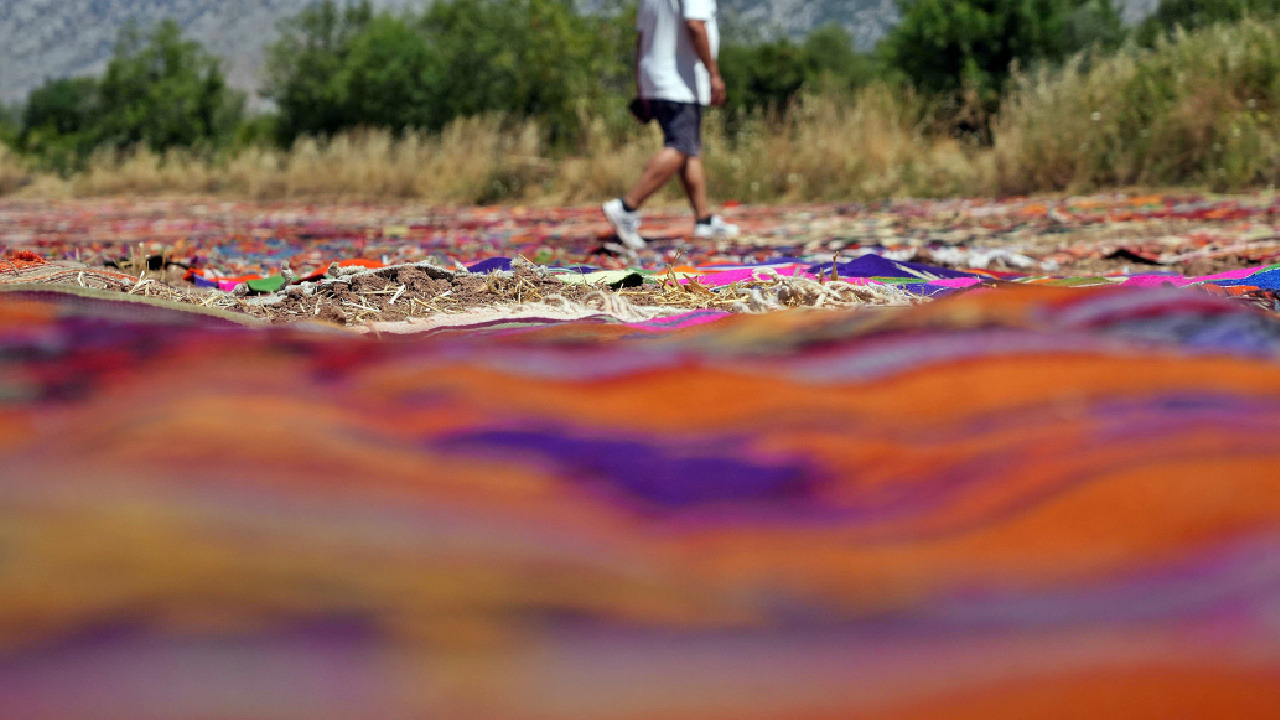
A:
(221, 244)
(1015, 502)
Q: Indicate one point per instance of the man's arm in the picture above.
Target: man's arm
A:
(639, 50)
(702, 46)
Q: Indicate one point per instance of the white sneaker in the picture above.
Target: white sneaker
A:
(717, 228)
(626, 224)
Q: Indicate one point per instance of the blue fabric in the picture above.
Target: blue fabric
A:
(1267, 280)
(870, 266)
(504, 265)
(927, 290)
(491, 265)
(663, 476)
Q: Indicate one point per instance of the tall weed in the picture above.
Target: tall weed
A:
(13, 171)
(828, 148)
(1196, 109)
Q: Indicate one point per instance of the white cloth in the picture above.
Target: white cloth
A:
(669, 65)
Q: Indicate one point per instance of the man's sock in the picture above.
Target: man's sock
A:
(706, 220)
(626, 207)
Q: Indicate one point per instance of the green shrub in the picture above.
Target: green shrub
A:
(947, 46)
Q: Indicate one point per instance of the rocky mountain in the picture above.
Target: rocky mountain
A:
(866, 20)
(54, 38)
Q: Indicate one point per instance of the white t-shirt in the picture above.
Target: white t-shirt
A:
(669, 65)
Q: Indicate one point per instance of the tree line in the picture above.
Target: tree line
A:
(335, 67)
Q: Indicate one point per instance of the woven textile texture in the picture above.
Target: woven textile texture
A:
(1015, 502)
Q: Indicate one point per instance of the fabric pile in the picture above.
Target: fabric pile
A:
(1014, 502)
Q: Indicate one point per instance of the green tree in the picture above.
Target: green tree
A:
(1193, 14)
(769, 75)
(560, 64)
(831, 61)
(164, 91)
(764, 76)
(63, 106)
(387, 75)
(304, 65)
(60, 121)
(478, 44)
(946, 46)
(538, 58)
(340, 67)
(10, 124)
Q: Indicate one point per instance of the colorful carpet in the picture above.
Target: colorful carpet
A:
(1014, 502)
(224, 243)
(1221, 244)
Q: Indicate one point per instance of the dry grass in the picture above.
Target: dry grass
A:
(463, 164)
(872, 146)
(1200, 109)
(14, 174)
(869, 146)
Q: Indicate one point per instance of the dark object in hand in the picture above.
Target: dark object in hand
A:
(640, 109)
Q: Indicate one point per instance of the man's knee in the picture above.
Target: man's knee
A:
(675, 152)
(685, 152)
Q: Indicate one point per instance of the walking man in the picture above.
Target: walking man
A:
(677, 76)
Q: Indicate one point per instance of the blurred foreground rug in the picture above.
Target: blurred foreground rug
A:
(1015, 503)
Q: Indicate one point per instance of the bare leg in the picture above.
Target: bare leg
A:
(656, 174)
(694, 179)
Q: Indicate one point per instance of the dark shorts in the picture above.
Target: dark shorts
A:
(681, 125)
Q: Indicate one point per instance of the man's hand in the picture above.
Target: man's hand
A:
(718, 92)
